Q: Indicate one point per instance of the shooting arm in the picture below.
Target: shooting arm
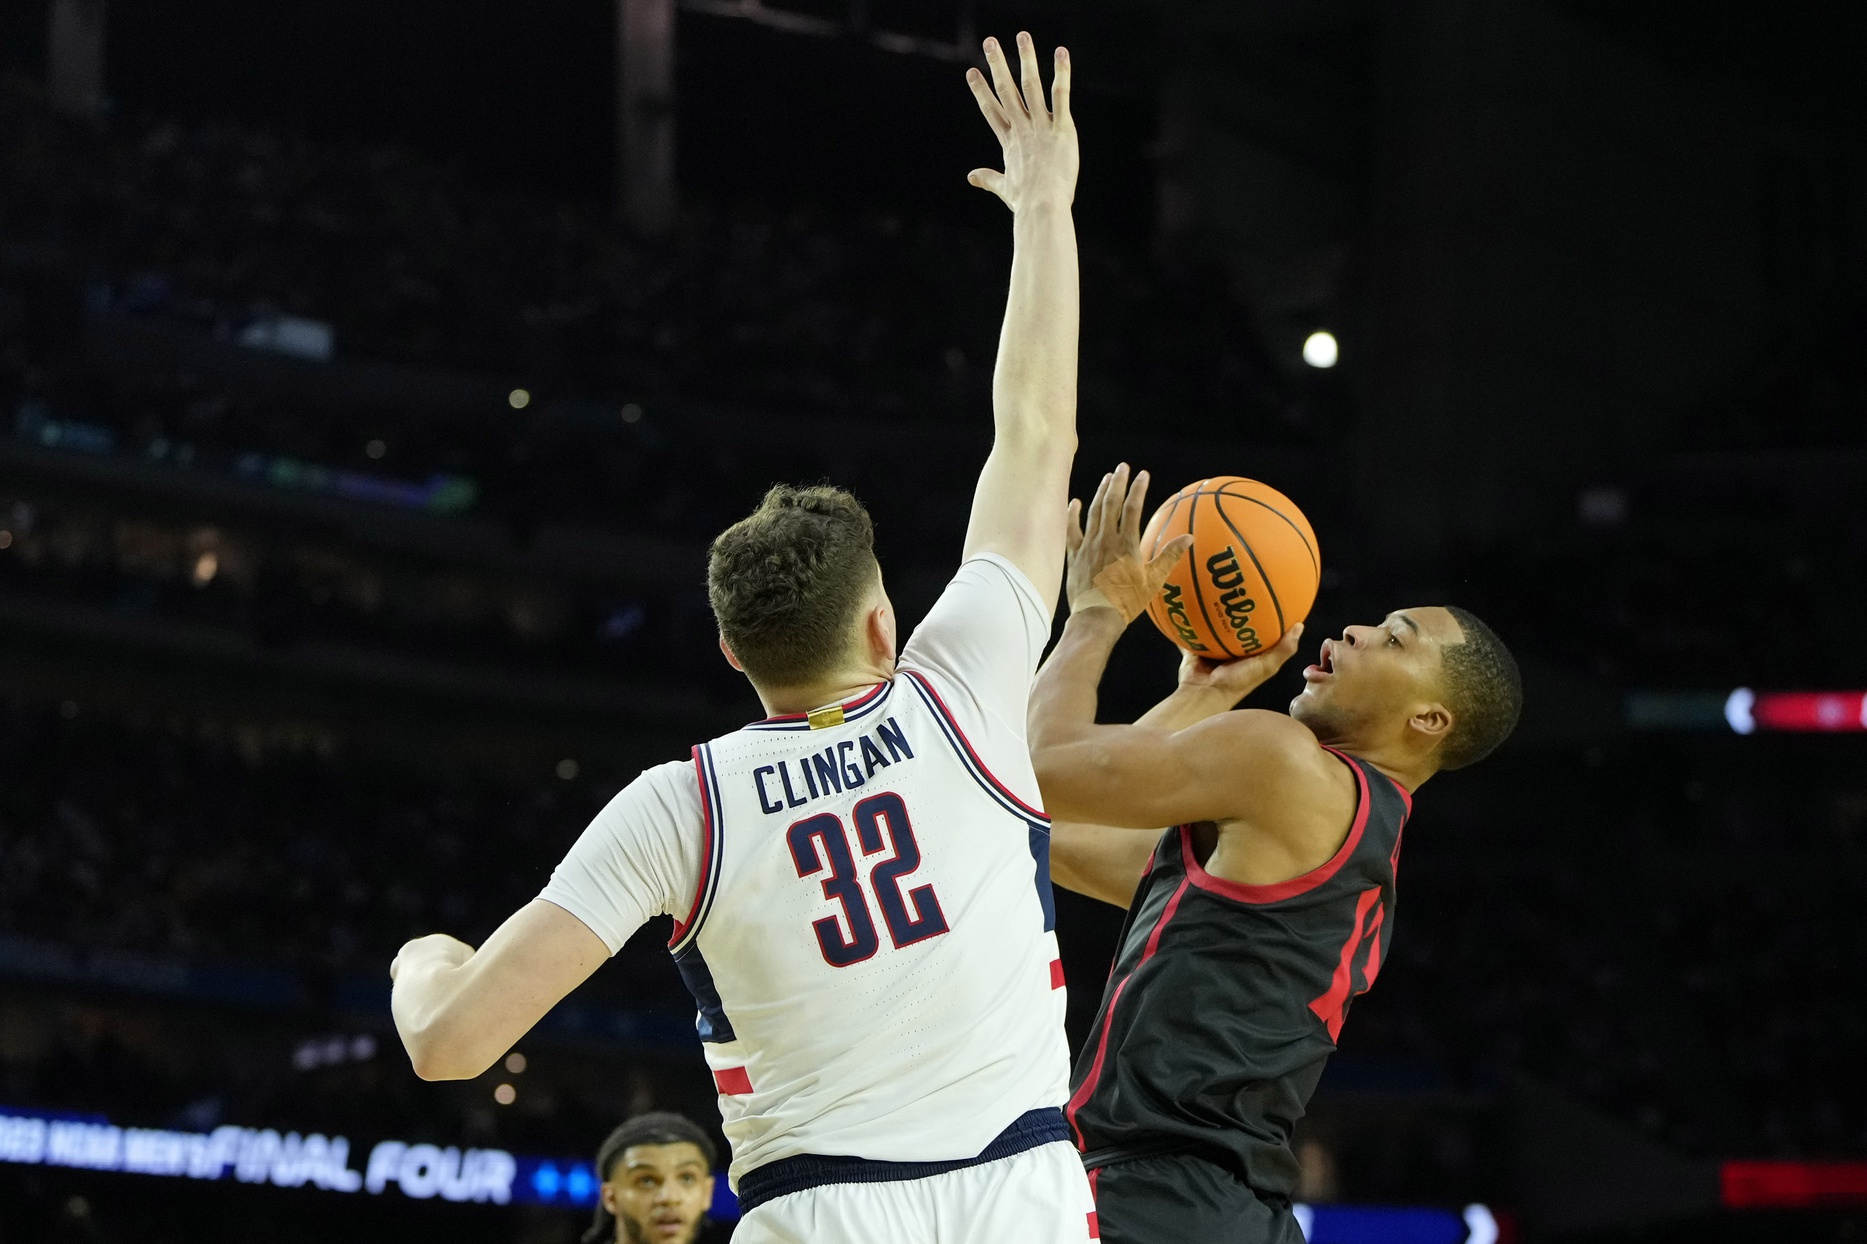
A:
(459, 1009)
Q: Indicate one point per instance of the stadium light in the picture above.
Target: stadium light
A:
(1320, 349)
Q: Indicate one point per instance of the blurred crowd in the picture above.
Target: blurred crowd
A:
(878, 317)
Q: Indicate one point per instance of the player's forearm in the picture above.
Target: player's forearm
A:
(1187, 706)
(1034, 382)
(1063, 699)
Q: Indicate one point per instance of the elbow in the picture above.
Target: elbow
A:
(442, 1055)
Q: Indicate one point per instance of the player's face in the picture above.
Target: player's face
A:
(1374, 678)
(658, 1193)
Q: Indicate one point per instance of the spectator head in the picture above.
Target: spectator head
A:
(657, 1182)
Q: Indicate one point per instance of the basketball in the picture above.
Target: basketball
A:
(1250, 575)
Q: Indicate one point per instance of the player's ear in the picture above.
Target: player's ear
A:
(726, 650)
(606, 1191)
(878, 630)
(1431, 723)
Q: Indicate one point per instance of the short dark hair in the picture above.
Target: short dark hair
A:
(787, 581)
(1483, 690)
(657, 1127)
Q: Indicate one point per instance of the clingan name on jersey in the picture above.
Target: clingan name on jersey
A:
(840, 767)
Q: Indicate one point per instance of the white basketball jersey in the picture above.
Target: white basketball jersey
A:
(870, 933)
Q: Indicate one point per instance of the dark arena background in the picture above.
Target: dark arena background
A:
(373, 376)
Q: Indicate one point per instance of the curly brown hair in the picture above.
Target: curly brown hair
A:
(788, 580)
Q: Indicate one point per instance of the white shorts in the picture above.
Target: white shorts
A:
(1040, 1196)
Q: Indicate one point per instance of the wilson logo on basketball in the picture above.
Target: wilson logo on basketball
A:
(1229, 578)
(1170, 596)
(1251, 573)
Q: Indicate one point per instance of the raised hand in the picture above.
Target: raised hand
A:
(1039, 142)
(1104, 549)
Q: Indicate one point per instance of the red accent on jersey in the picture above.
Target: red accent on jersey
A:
(848, 706)
(733, 1081)
(1332, 1007)
(1372, 968)
(1056, 973)
(1282, 890)
(979, 764)
(1088, 1088)
(706, 852)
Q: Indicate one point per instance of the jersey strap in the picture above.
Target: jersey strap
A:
(949, 725)
(710, 843)
(811, 1170)
(1037, 823)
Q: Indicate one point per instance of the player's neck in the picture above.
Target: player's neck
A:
(1394, 763)
(838, 689)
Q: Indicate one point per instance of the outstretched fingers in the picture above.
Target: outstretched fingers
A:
(1032, 80)
(988, 104)
(1004, 85)
(1060, 87)
(1131, 512)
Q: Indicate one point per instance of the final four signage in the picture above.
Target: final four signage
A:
(262, 1156)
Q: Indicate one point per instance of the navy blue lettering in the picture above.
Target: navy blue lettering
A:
(852, 776)
(764, 800)
(810, 781)
(896, 738)
(790, 797)
(872, 758)
(827, 773)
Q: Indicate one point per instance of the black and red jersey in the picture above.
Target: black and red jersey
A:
(1226, 1000)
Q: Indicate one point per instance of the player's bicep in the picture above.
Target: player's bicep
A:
(1018, 510)
(638, 858)
(1100, 861)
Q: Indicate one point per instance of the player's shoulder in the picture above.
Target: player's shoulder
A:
(1278, 741)
(670, 788)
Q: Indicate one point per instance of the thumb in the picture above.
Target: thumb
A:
(1169, 556)
(1073, 527)
(988, 179)
(1287, 646)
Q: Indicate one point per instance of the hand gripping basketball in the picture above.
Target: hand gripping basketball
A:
(1105, 549)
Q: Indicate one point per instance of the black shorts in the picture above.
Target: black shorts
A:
(1180, 1199)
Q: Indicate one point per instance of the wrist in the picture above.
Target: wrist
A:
(1042, 208)
(1091, 609)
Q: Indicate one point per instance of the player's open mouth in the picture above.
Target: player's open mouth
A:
(1325, 664)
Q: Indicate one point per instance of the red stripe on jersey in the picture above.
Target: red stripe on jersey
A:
(733, 1081)
(706, 852)
(847, 706)
(1056, 973)
(1088, 1086)
(1296, 885)
(965, 742)
(1372, 968)
(1095, 1228)
(1332, 1007)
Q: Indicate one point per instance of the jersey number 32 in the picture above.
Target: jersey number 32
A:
(822, 841)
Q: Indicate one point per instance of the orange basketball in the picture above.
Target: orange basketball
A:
(1250, 576)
